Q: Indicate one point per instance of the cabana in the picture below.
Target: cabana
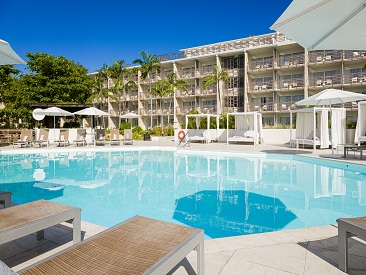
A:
(248, 128)
(312, 127)
(360, 134)
(205, 135)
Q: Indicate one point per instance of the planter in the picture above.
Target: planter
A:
(350, 136)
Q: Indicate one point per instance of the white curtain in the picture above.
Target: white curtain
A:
(361, 123)
(304, 125)
(198, 120)
(240, 123)
(324, 129)
(260, 127)
(338, 129)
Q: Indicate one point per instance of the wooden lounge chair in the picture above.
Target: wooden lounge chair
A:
(137, 246)
(25, 139)
(80, 137)
(63, 138)
(115, 140)
(42, 139)
(100, 137)
(25, 219)
(347, 228)
(128, 137)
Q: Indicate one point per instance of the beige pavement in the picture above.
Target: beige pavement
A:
(298, 251)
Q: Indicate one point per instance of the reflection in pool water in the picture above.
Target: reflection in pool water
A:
(224, 195)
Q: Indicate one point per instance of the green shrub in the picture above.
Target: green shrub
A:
(124, 125)
(169, 130)
(156, 131)
(138, 130)
(351, 124)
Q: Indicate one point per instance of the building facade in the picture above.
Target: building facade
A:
(267, 73)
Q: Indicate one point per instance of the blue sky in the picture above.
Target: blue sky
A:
(97, 32)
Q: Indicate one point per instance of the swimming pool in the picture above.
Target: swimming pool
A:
(226, 195)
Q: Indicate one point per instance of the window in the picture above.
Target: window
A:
(233, 82)
(209, 102)
(285, 120)
(268, 121)
(207, 69)
(188, 104)
(234, 62)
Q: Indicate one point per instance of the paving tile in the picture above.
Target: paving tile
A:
(240, 267)
(256, 240)
(286, 257)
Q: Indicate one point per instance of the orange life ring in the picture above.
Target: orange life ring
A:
(181, 135)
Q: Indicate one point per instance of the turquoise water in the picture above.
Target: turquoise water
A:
(224, 195)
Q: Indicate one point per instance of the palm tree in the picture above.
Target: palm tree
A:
(119, 70)
(148, 63)
(219, 75)
(160, 89)
(105, 73)
(173, 83)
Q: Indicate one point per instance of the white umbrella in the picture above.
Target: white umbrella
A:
(8, 55)
(325, 24)
(329, 97)
(130, 116)
(55, 111)
(91, 111)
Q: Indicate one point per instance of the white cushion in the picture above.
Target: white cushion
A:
(250, 134)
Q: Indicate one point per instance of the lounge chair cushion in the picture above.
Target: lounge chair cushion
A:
(5, 270)
(249, 134)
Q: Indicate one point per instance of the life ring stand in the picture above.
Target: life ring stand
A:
(181, 135)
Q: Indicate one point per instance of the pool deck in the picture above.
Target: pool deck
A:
(298, 251)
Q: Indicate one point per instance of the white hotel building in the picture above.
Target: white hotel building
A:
(267, 73)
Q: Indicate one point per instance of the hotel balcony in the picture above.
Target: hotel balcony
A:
(146, 96)
(235, 72)
(290, 60)
(206, 71)
(183, 110)
(132, 96)
(272, 107)
(208, 109)
(354, 55)
(316, 57)
(167, 111)
(126, 111)
(114, 113)
(212, 90)
(325, 81)
(354, 79)
(261, 86)
(290, 84)
(188, 73)
(260, 64)
(147, 112)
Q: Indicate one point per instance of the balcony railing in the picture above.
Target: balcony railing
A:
(291, 60)
(325, 56)
(261, 86)
(350, 55)
(183, 110)
(260, 64)
(321, 81)
(209, 91)
(208, 109)
(290, 84)
(354, 78)
(188, 73)
(272, 107)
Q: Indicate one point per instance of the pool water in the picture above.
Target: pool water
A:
(229, 195)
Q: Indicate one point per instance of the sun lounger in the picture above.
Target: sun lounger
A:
(81, 137)
(347, 228)
(115, 140)
(25, 219)
(5, 198)
(25, 139)
(63, 138)
(128, 137)
(100, 137)
(42, 139)
(137, 246)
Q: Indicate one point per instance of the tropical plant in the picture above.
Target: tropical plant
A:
(119, 70)
(216, 77)
(174, 83)
(148, 63)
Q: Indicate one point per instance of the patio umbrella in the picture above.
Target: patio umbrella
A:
(329, 97)
(91, 111)
(130, 116)
(55, 111)
(8, 56)
(325, 24)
